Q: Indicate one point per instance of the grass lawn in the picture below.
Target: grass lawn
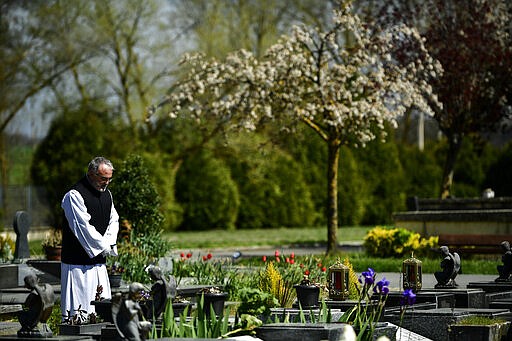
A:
(306, 237)
(261, 237)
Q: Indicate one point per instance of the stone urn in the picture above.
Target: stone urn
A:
(213, 299)
(307, 293)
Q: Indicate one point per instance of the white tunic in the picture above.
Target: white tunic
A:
(79, 282)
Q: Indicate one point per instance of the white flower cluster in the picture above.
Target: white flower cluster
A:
(342, 83)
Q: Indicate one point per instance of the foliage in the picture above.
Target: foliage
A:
(136, 198)
(256, 302)
(354, 287)
(498, 177)
(207, 193)
(345, 90)
(272, 282)
(381, 169)
(52, 238)
(58, 164)
(137, 203)
(396, 242)
(271, 184)
(476, 99)
(480, 320)
(202, 270)
(55, 318)
(135, 255)
(7, 247)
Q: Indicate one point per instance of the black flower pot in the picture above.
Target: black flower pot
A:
(307, 295)
(103, 309)
(215, 300)
(115, 280)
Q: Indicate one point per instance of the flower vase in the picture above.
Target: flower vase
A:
(307, 295)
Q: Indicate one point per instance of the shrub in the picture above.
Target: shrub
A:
(207, 193)
(137, 203)
(271, 184)
(135, 196)
(396, 242)
(272, 282)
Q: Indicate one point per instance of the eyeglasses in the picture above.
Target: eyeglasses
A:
(104, 178)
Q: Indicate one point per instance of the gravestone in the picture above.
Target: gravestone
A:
(21, 226)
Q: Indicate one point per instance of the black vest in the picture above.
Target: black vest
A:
(98, 205)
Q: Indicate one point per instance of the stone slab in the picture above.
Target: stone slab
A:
(8, 276)
(293, 315)
(466, 298)
(434, 323)
(489, 287)
(441, 299)
(300, 331)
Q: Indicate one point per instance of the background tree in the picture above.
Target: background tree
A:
(344, 84)
(473, 42)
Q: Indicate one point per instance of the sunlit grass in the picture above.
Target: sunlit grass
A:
(261, 237)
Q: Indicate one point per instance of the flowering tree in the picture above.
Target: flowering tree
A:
(345, 84)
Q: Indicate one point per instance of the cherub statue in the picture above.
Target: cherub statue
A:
(37, 309)
(161, 290)
(505, 269)
(126, 313)
(451, 267)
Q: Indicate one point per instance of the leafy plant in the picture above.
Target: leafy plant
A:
(52, 238)
(256, 302)
(201, 325)
(367, 311)
(272, 282)
(137, 202)
(396, 242)
(6, 248)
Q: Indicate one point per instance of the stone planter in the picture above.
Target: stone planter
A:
(492, 332)
(307, 295)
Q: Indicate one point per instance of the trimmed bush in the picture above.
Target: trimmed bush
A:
(207, 193)
(396, 242)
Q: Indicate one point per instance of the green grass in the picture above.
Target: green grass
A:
(307, 237)
(261, 237)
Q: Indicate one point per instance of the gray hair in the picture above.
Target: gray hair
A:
(95, 163)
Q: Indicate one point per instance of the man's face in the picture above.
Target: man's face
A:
(102, 178)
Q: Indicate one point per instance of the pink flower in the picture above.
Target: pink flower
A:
(277, 253)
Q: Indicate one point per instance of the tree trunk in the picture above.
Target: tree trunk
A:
(332, 197)
(449, 166)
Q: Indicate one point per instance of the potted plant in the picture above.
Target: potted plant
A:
(52, 244)
(308, 293)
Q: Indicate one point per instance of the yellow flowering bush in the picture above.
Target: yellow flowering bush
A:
(354, 287)
(396, 242)
(272, 282)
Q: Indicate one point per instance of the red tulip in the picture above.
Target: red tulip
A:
(264, 258)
